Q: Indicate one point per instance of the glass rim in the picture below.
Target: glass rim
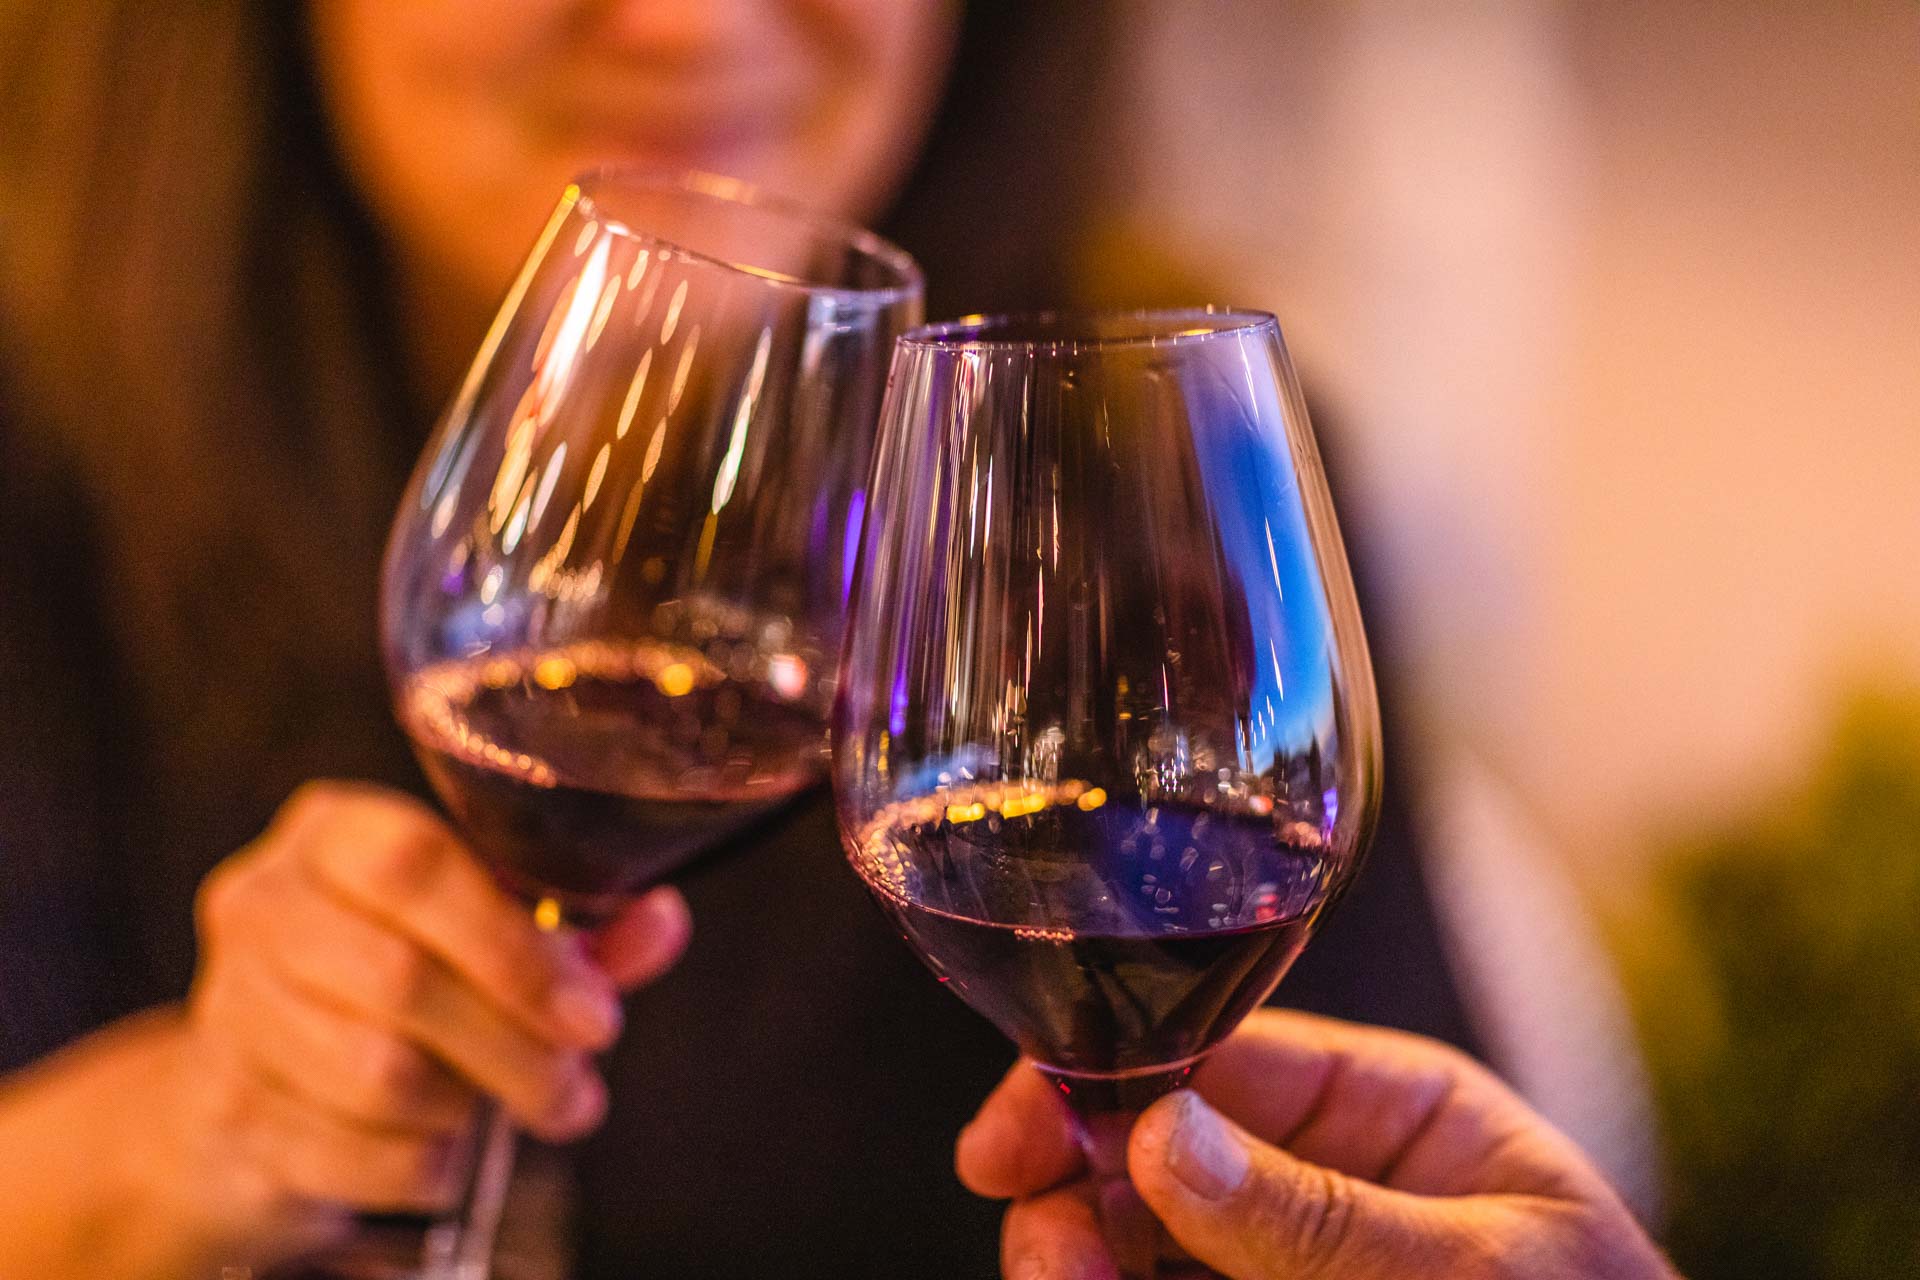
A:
(586, 190)
(1055, 332)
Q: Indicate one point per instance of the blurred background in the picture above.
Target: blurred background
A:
(1614, 315)
(1610, 315)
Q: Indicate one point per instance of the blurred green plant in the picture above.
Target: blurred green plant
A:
(1777, 981)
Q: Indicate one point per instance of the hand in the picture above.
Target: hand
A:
(1315, 1148)
(362, 981)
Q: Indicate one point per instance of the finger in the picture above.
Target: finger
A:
(315, 1155)
(357, 1071)
(390, 858)
(1055, 1236)
(335, 956)
(645, 939)
(1384, 1106)
(1255, 1212)
(1021, 1142)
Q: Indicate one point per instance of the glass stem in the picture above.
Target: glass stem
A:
(1104, 1109)
(460, 1246)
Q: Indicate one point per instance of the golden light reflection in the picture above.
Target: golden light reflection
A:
(632, 403)
(515, 458)
(608, 293)
(675, 679)
(1091, 799)
(1035, 933)
(729, 473)
(704, 552)
(628, 514)
(596, 474)
(547, 915)
(517, 522)
(655, 443)
(555, 319)
(648, 288)
(672, 320)
(957, 813)
(683, 369)
(437, 699)
(1020, 806)
(556, 672)
(549, 477)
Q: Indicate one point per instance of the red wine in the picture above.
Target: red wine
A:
(590, 773)
(1103, 938)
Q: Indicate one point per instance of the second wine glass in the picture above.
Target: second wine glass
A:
(1106, 743)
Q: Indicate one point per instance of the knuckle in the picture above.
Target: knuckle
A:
(393, 1075)
(526, 969)
(1468, 1071)
(397, 974)
(313, 803)
(1312, 1225)
(217, 899)
(403, 865)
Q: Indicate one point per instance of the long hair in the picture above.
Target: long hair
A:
(1013, 170)
(202, 417)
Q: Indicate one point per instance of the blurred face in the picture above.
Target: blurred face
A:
(463, 119)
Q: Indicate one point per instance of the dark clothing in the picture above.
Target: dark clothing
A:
(203, 434)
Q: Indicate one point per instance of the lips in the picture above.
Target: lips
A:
(672, 114)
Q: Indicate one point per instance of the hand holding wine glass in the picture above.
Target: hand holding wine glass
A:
(1311, 1147)
(361, 981)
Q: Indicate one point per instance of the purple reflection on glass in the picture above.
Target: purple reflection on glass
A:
(850, 549)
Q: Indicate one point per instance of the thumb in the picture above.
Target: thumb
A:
(644, 940)
(1254, 1212)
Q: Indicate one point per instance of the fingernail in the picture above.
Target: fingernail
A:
(664, 907)
(667, 919)
(586, 1102)
(589, 1011)
(1031, 1267)
(1202, 1152)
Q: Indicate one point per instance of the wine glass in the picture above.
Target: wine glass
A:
(613, 592)
(1106, 743)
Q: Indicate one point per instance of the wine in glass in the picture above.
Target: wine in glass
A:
(1106, 743)
(613, 593)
